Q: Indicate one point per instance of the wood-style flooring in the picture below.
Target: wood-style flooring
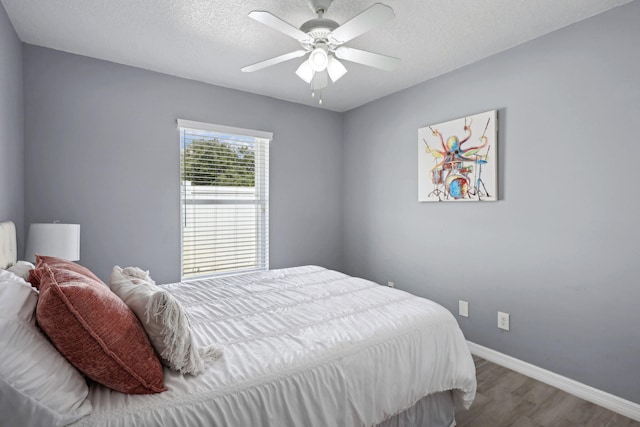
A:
(507, 398)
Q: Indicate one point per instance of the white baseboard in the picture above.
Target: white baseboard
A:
(601, 398)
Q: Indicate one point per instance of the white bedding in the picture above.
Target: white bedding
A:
(303, 346)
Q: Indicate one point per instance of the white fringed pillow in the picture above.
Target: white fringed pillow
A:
(163, 319)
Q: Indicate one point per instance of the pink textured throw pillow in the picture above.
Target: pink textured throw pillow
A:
(97, 332)
(54, 262)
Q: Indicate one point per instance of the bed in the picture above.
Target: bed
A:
(306, 346)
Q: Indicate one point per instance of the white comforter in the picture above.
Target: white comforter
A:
(303, 346)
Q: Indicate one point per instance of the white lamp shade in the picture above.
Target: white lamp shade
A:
(59, 240)
(305, 72)
(335, 69)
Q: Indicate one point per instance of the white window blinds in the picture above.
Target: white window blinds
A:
(224, 199)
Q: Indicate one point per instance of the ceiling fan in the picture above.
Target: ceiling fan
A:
(323, 39)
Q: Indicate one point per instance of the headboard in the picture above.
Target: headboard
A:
(8, 249)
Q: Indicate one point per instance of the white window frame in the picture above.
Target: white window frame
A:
(262, 199)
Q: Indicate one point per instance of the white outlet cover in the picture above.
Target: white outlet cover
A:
(463, 308)
(503, 320)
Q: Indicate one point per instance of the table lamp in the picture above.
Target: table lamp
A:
(53, 239)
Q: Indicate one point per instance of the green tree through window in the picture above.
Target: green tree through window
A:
(209, 162)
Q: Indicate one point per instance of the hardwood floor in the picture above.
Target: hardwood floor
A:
(507, 398)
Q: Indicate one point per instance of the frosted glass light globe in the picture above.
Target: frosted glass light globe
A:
(318, 59)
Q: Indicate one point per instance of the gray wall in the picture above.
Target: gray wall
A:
(11, 127)
(102, 150)
(559, 251)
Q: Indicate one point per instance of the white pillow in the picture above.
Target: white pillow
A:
(163, 319)
(38, 386)
(22, 269)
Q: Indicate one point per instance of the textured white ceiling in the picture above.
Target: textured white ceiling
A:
(210, 40)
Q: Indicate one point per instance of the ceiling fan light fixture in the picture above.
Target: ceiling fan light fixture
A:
(319, 58)
(335, 69)
(305, 72)
(320, 81)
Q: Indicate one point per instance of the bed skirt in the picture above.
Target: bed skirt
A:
(435, 410)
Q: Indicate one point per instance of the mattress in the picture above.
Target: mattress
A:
(303, 346)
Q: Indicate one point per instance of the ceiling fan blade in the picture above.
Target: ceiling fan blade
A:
(360, 24)
(274, 61)
(375, 60)
(278, 24)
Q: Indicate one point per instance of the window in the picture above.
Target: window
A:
(224, 174)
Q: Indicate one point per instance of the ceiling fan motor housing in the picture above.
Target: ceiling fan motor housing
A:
(319, 28)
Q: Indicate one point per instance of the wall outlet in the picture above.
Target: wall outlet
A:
(463, 308)
(503, 320)
(391, 284)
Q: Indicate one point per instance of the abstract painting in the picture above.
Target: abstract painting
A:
(457, 160)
